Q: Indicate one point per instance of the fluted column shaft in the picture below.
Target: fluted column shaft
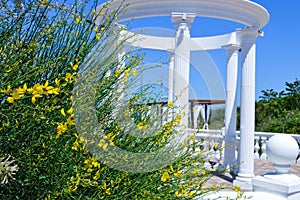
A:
(182, 62)
(247, 123)
(171, 77)
(232, 55)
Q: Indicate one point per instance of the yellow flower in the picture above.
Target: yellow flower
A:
(96, 29)
(170, 104)
(75, 145)
(127, 70)
(103, 144)
(216, 147)
(95, 163)
(62, 127)
(178, 119)
(236, 188)
(33, 99)
(45, 2)
(177, 194)
(222, 148)
(196, 171)
(75, 67)
(141, 126)
(89, 170)
(37, 89)
(107, 191)
(134, 72)
(7, 90)
(213, 186)
(10, 99)
(98, 36)
(191, 194)
(178, 174)
(46, 84)
(70, 121)
(62, 111)
(68, 77)
(53, 90)
(171, 167)
(24, 87)
(70, 111)
(57, 82)
(77, 20)
(17, 95)
(117, 73)
(164, 177)
(97, 175)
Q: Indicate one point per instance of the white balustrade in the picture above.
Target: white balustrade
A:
(213, 138)
(261, 139)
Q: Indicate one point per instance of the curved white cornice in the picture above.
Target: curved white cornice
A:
(242, 11)
(213, 42)
(163, 43)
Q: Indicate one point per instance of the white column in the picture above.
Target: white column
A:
(171, 76)
(182, 62)
(232, 56)
(247, 124)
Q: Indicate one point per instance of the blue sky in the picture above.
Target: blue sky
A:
(278, 52)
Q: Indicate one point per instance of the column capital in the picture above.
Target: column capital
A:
(183, 18)
(249, 30)
(233, 47)
(171, 52)
(248, 34)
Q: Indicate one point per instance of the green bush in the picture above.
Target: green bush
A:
(43, 48)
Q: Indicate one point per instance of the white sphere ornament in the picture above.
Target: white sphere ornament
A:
(282, 149)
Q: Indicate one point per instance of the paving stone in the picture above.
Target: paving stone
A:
(260, 167)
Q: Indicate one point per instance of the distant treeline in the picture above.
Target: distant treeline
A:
(278, 112)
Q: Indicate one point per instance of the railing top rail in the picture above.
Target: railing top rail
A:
(203, 133)
(270, 134)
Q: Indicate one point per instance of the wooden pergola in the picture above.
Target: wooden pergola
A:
(204, 102)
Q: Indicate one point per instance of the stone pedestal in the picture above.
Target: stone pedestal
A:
(284, 185)
(282, 150)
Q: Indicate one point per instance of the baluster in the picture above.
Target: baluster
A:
(263, 155)
(207, 148)
(217, 150)
(256, 148)
(216, 153)
(237, 149)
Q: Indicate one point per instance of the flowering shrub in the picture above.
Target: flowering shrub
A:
(44, 46)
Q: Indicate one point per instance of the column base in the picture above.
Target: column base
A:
(245, 182)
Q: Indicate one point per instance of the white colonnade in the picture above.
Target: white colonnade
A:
(245, 12)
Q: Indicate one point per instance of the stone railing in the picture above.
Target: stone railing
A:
(260, 141)
(213, 141)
